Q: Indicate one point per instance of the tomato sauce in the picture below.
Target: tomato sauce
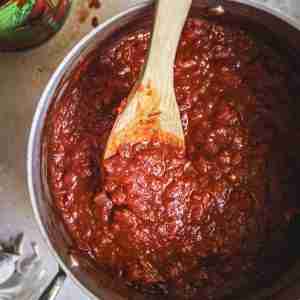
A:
(183, 224)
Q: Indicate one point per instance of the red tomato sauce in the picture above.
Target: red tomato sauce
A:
(188, 224)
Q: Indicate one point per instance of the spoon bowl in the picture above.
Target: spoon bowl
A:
(151, 110)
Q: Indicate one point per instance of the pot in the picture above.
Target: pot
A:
(99, 285)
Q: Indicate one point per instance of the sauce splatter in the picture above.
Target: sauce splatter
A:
(94, 4)
(95, 22)
(85, 9)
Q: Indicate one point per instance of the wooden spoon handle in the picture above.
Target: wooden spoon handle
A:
(169, 21)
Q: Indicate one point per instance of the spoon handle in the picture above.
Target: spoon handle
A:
(54, 287)
(169, 21)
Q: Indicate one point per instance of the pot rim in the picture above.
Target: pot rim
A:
(33, 136)
(42, 108)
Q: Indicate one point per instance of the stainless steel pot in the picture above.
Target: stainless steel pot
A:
(80, 270)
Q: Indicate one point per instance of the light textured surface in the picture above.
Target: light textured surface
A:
(22, 79)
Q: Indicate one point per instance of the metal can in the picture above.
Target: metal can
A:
(28, 23)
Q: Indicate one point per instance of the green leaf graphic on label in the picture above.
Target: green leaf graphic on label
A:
(12, 15)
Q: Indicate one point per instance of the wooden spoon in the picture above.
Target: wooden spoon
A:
(151, 110)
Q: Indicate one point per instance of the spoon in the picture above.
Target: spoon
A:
(151, 110)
